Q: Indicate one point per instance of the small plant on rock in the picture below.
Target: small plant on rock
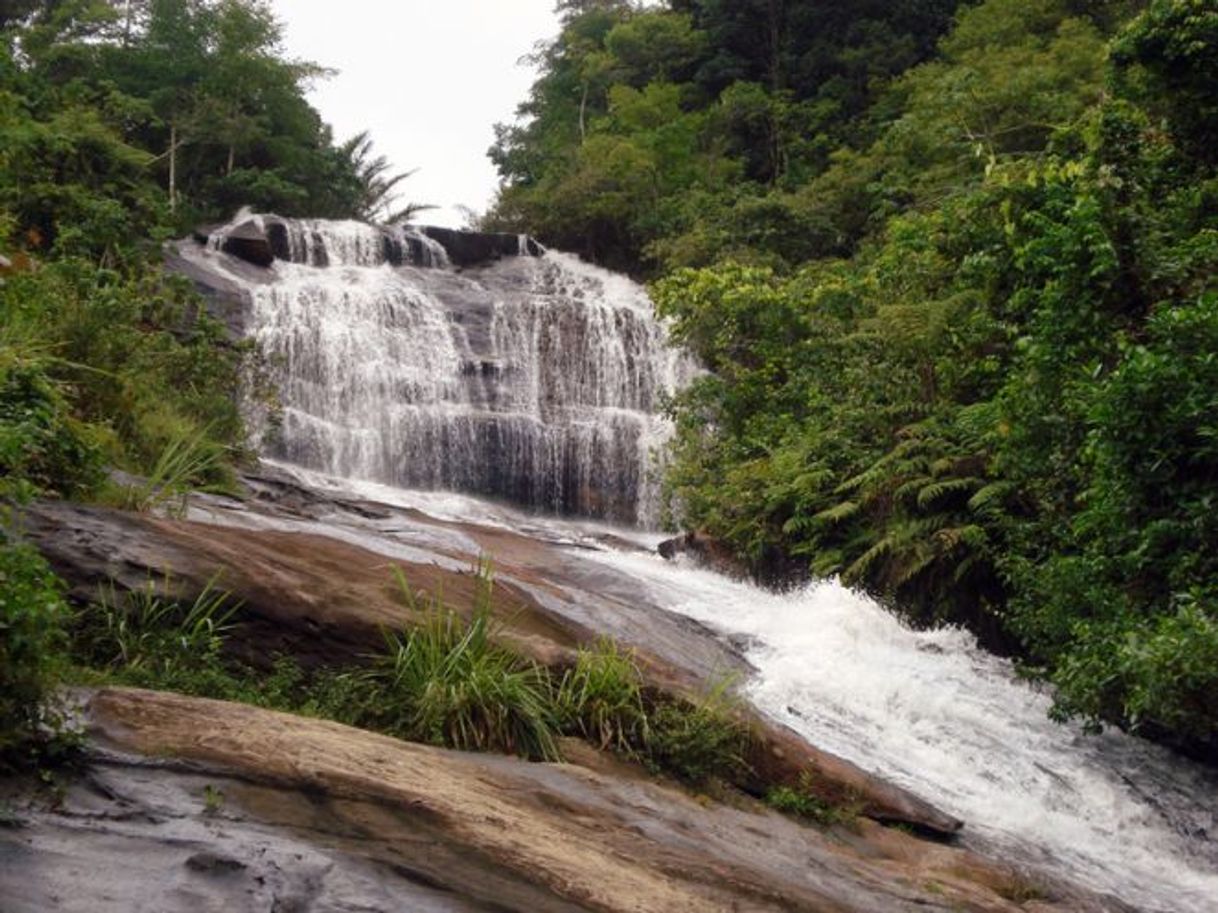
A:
(802, 801)
(446, 682)
(699, 740)
(213, 800)
(601, 699)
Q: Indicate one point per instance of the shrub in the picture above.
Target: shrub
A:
(1159, 675)
(446, 682)
(142, 632)
(698, 741)
(129, 362)
(31, 644)
(42, 448)
(601, 699)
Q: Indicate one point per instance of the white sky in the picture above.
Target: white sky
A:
(429, 78)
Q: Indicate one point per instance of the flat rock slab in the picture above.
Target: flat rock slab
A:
(307, 592)
(194, 805)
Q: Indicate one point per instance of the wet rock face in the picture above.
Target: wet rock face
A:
(705, 551)
(476, 248)
(322, 599)
(191, 805)
(263, 239)
(446, 360)
(248, 241)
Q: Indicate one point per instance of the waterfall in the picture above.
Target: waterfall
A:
(536, 379)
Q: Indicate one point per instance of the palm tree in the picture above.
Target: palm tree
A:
(375, 199)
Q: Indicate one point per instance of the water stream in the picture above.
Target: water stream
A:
(537, 380)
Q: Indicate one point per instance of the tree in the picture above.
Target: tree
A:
(1175, 46)
(374, 188)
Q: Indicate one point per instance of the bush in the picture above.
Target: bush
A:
(698, 741)
(1156, 676)
(601, 699)
(446, 682)
(130, 362)
(43, 449)
(32, 614)
(145, 632)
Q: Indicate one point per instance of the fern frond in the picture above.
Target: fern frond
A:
(989, 497)
(973, 536)
(913, 568)
(936, 490)
(839, 512)
(913, 486)
(868, 558)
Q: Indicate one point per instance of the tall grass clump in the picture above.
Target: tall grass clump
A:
(600, 699)
(187, 461)
(446, 682)
(146, 638)
(603, 699)
(699, 740)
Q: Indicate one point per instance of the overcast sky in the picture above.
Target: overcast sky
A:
(429, 78)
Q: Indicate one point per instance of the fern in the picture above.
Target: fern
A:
(838, 512)
(937, 490)
(858, 570)
(988, 499)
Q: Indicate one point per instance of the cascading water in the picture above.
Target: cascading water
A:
(927, 710)
(535, 379)
(933, 712)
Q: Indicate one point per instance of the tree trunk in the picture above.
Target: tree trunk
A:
(173, 166)
(232, 155)
(583, 107)
(775, 15)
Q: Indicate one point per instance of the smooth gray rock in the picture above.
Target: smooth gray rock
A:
(475, 248)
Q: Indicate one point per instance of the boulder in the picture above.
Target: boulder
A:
(705, 551)
(474, 248)
(324, 600)
(250, 242)
(320, 600)
(226, 299)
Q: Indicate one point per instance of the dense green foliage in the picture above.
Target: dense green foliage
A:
(121, 125)
(32, 613)
(681, 132)
(444, 680)
(118, 121)
(961, 324)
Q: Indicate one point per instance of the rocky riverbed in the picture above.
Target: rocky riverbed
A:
(187, 804)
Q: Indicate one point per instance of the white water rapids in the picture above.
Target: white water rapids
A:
(933, 712)
(376, 363)
(928, 710)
